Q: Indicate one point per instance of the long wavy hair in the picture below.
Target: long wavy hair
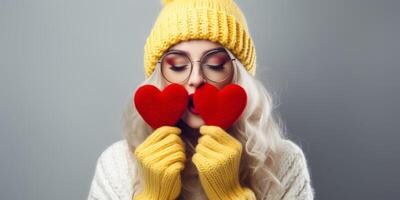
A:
(259, 129)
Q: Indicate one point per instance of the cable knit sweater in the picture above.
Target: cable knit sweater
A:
(115, 169)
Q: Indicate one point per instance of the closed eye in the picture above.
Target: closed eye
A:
(178, 68)
(219, 67)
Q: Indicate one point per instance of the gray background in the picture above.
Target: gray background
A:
(69, 67)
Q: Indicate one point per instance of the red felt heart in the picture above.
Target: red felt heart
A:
(161, 108)
(220, 107)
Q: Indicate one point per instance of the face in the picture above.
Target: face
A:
(194, 50)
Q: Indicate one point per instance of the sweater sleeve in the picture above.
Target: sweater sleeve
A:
(112, 176)
(293, 174)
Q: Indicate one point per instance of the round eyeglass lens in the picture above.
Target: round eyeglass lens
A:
(175, 67)
(217, 66)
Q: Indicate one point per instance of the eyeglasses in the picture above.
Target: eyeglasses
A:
(216, 65)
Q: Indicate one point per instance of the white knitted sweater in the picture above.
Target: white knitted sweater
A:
(115, 169)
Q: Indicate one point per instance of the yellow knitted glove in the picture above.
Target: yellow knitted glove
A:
(161, 158)
(217, 159)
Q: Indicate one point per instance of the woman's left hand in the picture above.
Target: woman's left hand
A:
(217, 160)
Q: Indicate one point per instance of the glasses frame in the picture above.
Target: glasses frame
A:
(201, 61)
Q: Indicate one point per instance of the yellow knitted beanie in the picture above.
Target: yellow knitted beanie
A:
(219, 21)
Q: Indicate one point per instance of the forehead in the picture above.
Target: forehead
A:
(195, 48)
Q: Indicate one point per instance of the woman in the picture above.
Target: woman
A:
(197, 42)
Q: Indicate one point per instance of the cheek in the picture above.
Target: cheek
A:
(223, 84)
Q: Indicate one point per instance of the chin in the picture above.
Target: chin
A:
(192, 120)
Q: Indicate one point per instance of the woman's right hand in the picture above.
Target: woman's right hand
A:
(161, 158)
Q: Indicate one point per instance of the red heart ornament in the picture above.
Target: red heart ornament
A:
(161, 108)
(220, 107)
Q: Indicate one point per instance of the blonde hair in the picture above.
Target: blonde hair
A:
(258, 129)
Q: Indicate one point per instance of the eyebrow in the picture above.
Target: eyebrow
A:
(187, 53)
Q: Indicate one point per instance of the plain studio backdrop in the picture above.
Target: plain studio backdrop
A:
(68, 69)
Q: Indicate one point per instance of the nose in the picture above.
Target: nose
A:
(196, 78)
